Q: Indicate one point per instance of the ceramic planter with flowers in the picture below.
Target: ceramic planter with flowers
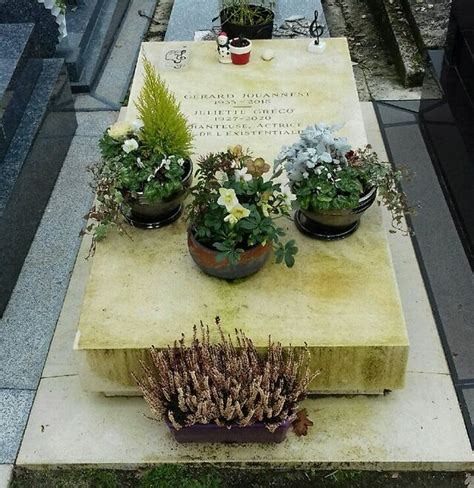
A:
(221, 391)
(146, 170)
(334, 184)
(240, 49)
(232, 217)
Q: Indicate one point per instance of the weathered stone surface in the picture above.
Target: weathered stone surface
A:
(400, 40)
(341, 297)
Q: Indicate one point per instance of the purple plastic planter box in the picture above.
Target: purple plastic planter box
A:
(255, 433)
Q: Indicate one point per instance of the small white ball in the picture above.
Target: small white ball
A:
(268, 55)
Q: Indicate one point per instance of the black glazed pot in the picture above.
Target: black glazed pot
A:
(262, 31)
(249, 263)
(331, 225)
(147, 215)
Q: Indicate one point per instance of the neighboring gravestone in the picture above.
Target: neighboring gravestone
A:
(190, 16)
(18, 75)
(46, 28)
(91, 27)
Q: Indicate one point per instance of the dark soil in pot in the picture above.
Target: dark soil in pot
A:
(152, 215)
(240, 42)
(333, 224)
(262, 30)
(250, 261)
(255, 433)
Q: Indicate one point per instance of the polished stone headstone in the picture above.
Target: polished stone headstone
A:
(91, 28)
(30, 168)
(341, 297)
(18, 75)
(46, 30)
(433, 149)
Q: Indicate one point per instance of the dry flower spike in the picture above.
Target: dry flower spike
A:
(227, 382)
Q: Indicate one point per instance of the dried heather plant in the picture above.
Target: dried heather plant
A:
(226, 383)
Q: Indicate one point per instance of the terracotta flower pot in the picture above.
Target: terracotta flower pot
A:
(255, 433)
(333, 224)
(250, 261)
(240, 54)
(152, 215)
(260, 31)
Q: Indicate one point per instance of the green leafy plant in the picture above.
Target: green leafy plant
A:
(241, 12)
(234, 208)
(146, 158)
(225, 383)
(165, 129)
(326, 174)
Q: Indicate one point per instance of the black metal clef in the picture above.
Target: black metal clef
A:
(316, 30)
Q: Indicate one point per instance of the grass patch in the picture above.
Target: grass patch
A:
(187, 476)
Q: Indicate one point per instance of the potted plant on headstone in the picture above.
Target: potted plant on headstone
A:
(233, 213)
(146, 170)
(252, 19)
(334, 184)
(221, 391)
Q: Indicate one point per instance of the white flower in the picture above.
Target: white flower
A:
(221, 177)
(181, 161)
(130, 145)
(305, 175)
(242, 175)
(140, 163)
(228, 199)
(119, 130)
(137, 124)
(236, 213)
(288, 195)
(166, 162)
(265, 206)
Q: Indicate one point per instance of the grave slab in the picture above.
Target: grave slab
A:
(341, 298)
(418, 428)
(5, 475)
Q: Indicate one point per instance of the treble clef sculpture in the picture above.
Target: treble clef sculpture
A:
(316, 30)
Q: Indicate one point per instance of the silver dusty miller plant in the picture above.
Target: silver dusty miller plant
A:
(225, 383)
(325, 173)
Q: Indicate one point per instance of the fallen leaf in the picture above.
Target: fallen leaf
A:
(301, 423)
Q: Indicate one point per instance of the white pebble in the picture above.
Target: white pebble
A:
(268, 55)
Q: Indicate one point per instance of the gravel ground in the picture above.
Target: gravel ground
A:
(374, 68)
(432, 18)
(159, 23)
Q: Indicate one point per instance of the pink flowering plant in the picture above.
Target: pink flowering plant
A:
(236, 205)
